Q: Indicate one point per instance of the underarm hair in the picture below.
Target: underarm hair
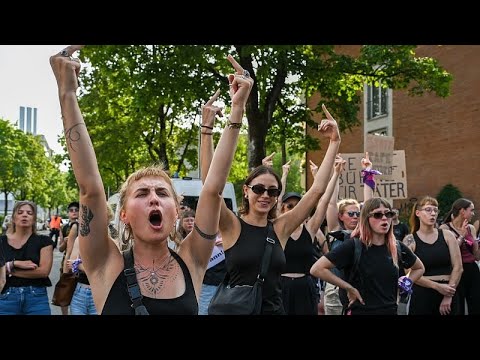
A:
(202, 234)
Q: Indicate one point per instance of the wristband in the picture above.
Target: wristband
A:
(405, 284)
(368, 177)
(75, 265)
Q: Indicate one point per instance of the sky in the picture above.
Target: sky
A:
(26, 79)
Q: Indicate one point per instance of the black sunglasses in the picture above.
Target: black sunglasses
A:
(353, 213)
(290, 206)
(260, 190)
(379, 215)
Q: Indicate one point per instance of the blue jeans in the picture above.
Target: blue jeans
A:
(82, 301)
(25, 300)
(205, 296)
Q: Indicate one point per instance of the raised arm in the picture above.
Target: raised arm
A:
(290, 220)
(93, 236)
(283, 181)
(199, 243)
(313, 225)
(209, 111)
(369, 179)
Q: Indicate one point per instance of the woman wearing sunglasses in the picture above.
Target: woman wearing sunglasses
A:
(375, 288)
(435, 292)
(244, 237)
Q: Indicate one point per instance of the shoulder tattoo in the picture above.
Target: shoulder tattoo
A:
(409, 240)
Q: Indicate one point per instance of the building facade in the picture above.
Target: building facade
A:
(440, 136)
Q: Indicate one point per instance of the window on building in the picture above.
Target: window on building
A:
(382, 132)
(377, 101)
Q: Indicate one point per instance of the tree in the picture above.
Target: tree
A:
(13, 160)
(446, 197)
(136, 99)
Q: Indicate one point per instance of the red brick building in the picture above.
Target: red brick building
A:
(441, 137)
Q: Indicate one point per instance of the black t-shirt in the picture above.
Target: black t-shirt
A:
(29, 251)
(377, 279)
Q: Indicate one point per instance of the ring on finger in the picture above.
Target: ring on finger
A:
(65, 53)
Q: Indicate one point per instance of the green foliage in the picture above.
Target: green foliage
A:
(141, 103)
(27, 172)
(446, 197)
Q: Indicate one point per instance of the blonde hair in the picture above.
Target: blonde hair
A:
(414, 220)
(17, 206)
(153, 170)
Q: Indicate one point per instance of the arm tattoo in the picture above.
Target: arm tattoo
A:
(87, 216)
(72, 136)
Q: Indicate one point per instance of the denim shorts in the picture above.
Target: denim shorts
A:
(205, 297)
(82, 301)
(25, 300)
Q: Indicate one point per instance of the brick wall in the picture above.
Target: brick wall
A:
(440, 136)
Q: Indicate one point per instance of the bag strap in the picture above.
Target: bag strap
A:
(132, 283)
(267, 255)
(356, 259)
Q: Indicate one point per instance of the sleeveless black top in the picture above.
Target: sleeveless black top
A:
(244, 259)
(435, 257)
(300, 253)
(118, 301)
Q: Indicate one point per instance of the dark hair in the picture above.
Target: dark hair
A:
(260, 170)
(74, 204)
(457, 205)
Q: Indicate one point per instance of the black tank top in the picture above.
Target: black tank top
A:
(300, 253)
(82, 278)
(119, 303)
(435, 257)
(243, 262)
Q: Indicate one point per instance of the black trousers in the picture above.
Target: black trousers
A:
(469, 289)
(54, 233)
(300, 295)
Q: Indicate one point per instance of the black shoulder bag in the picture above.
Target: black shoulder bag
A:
(132, 284)
(243, 299)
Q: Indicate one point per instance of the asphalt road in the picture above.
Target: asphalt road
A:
(54, 275)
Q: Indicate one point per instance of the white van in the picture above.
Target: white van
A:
(190, 189)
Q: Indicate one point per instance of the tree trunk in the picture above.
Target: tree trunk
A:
(256, 140)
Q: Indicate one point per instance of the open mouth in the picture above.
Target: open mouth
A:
(155, 218)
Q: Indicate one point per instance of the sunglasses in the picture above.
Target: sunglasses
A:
(353, 213)
(73, 209)
(379, 215)
(260, 190)
(289, 206)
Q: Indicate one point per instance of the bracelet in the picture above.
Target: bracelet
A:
(234, 125)
(206, 133)
(205, 126)
(202, 234)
